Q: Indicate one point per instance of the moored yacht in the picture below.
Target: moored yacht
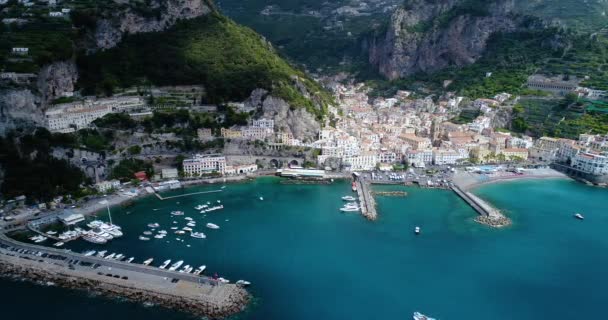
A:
(89, 253)
(102, 253)
(200, 270)
(147, 262)
(110, 256)
(130, 260)
(349, 198)
(176, 265)
(153, 225)
(142, 238)
(165, 264)
(185, 269)
(177, 213)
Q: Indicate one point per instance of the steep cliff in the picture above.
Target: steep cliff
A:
(158, 15)
(298, 121)
(429, 35)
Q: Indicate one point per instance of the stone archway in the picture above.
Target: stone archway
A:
(294, 163)
(274, 163)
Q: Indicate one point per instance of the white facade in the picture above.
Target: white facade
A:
(256, 133)
(263, 123)
(443, 157)
(241, 169)
(362, 162)
(591, 163)
(71, 118)
(201, 164)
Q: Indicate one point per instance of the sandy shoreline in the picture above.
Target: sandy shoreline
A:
(468, 181)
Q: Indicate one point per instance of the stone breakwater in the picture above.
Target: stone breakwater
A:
(236, 301)
(493, 221)
(390, 193)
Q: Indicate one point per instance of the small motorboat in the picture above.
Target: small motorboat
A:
(212, 226)
(261, 198)
(349, 198)
(420, 316)
(142, 238)
(417, 230)
(243, 283)
(579, 216)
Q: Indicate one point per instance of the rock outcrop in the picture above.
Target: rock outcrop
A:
(429, 35)
(110, 31)
(298, 121)
(57, 78)
(19, 108)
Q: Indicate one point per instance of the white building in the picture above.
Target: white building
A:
(263, 123)
(241, 169)
(443, 157)
(591, 163)
(72, 117)
(21, 51)
(256, 133)
(419, 158)
(361, 162)
(202, 164)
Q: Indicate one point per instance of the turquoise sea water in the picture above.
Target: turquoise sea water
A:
(307, 260)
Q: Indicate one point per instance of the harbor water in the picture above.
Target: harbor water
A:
(307, 260)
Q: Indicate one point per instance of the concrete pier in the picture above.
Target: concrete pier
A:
(488, 215)
(366, 200)
(199, 295)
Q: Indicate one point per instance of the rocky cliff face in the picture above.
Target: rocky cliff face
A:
(19, 108)
(297, 121)
(109, 31)
(429, 35)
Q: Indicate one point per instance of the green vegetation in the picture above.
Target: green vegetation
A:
(229, 60)
(117, 121)
(31, 170)
(125, 170)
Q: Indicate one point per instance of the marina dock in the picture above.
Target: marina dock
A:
(199, 295)
(366, 200)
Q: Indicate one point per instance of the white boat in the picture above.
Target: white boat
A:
(200, 207)
(165, 264)
(191, 224)
(142, 238)
(198, 235)
(222, 280)
(162, 232)
(349, 198)
(417, 230)
(261, 198)
(148, 233)
(174, 228)
(147, 262)
(89, 253)
(180, 232)
(110, 256)
(176, 265)
(51, 232)
(349, 209)
(59, 244)
(243, 283)
(102, 253)
(119, 257)
(579, 216)
(212, 226)
(218, 201)
(188, 218)
(159, 236)
(177, 213)
(187, 229)
(153, 225)
(420, 316)
(223, 187)
(130, 260)
(200, 270)
(94, 238)
(185, 268)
